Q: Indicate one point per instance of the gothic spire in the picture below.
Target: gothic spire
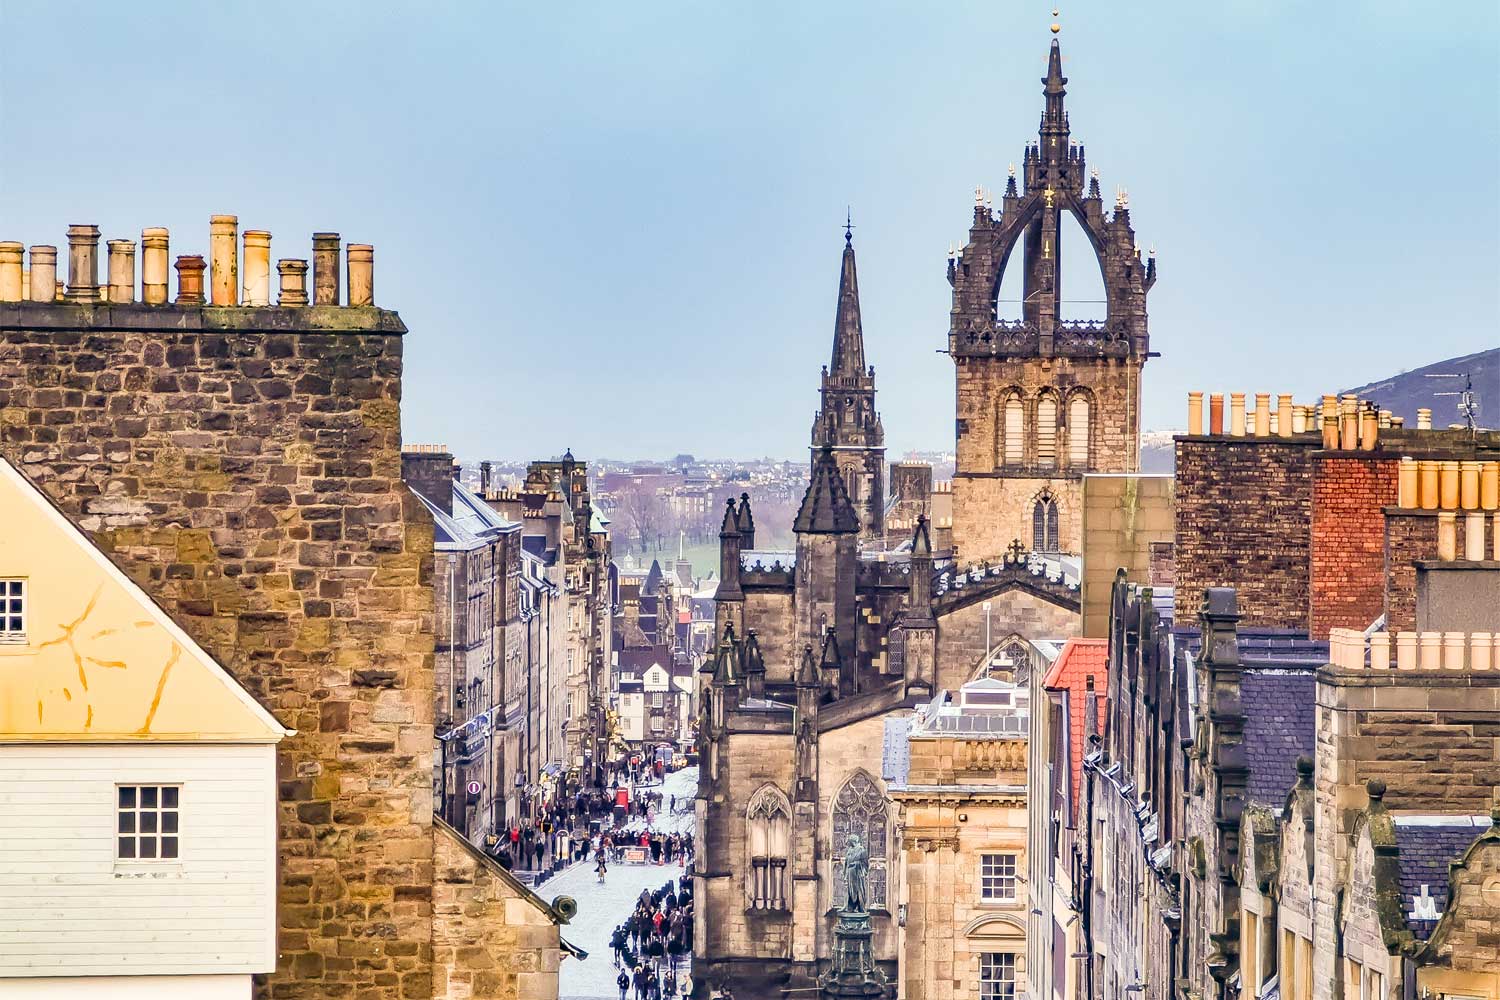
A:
(1054, 79)
(826, 509)
(848, 338)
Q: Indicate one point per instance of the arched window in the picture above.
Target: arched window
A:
(1015, 424)
(1044, 524)
(860, 811)
(1078, 432)
(769, 829)
(1046, 432)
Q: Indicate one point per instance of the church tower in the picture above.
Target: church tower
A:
(847, 422)
(1043, 399)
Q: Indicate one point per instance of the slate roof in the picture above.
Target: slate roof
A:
(895, 756)
(1280, 725)
(1080, 659)
(825, 506)
(1427, 845)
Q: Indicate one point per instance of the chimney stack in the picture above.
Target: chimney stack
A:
(257, 286)
(325, 269)
(190, 269)
(83, 263)
(429, 469)
(121, 270)
(154, 266)
(293, 282)
(223, 259)
(361, 264)
(43, 273)
(10, 271)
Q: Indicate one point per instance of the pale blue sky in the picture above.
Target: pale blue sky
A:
(617, 227)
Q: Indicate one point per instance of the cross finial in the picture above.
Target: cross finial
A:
(1015, 551)
(848, 226)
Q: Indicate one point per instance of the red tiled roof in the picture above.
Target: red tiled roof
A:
(1080, 660)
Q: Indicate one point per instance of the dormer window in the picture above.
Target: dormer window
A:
(12, 610)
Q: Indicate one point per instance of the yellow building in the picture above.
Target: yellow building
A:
(138, 836)
(957, 775)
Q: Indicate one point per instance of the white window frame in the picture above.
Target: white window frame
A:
(994, 968)
(133, 815)
(14, 606)
(993, 877)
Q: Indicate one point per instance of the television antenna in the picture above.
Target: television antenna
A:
(1468, 403)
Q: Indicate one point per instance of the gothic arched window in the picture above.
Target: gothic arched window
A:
(768, 838)
(1044, 524)
(1078, 432)
(860, 809)
(1015, 425)
(1046, 432)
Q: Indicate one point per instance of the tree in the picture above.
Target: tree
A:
(642, 508)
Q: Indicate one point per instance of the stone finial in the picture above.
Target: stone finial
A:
(83, 264)
(325, 269)
(293, 282)
(257, 287)
(11, 255)
(190, 268)
(43, 273)
(361, 272)
(1304, 771)
(121, 270)
(1375, 788)
(155, 244)
(223, 259)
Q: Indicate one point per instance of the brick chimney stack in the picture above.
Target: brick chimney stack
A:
(428, 469)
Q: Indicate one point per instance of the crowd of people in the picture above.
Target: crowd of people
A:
(654, 941)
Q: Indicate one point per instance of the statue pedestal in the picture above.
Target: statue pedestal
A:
(853, 972)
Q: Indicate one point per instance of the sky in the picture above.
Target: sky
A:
(616, 227)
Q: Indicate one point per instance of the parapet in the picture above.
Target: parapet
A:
(1416, 652)
(234, 279)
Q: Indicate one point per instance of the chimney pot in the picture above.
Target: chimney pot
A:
(1406, 483)
(257, 286)
(1454, 647)
(1430, 651)
(1448, 485)
(1262, 414)
(1285, 422)
(121, 270)
(11, 255)
(155, 243)
(1236, 414)
(1380, 651)
(1427, 484)
(1369, 428)
(1406, 650)
(361, 264)
(1447, 535)
(1474, 536)
(1216, 413)
(1468, 484)
(293, 282)
(83, 263)
(1424, 419)
(1299, 419)
(190, 269)
(1481, 650)
(223, 258)
(1495, 540)
(325, 269)
(1195, 413)
(1349, 423)
(1489, 486)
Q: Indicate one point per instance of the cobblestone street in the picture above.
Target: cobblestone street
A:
(602, 907)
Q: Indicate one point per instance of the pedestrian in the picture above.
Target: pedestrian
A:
(623, 981)
(601, 869)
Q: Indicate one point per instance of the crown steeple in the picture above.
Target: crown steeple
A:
(826, 509)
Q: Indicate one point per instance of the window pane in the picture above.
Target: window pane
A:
(148, 847)
(169, 847)
(127, 798)
(148, 797)
(148, 822)
(13, 586)
(169, 822)
(127, 847)
(169, 797)
(127, 822)
(15, 605)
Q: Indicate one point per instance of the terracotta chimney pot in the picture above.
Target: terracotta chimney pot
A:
(1427, 493)
(155, 245)
(325, 269)
(11, 255)
(1237, 414)
(293, 282)
(83, 263)
(361, 267)
(1380, 651)
(1406, 483)
(1474, 536)
(1448, 485)
(43, 273)
(257, 286)
(190, 270)
(1216, 413)
(1406, 650)
(121, 270)
(1447, 535)
(1195, 414)
(223, 259)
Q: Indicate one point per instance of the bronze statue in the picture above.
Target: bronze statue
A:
(856, 872)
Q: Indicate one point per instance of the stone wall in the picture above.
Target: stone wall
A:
(961, 633)
(1244, 506)
(1122, 517)
(1347, 570)
(243, 465)
(491, 938)
(988, 495)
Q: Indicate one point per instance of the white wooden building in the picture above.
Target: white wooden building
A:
(137, 784)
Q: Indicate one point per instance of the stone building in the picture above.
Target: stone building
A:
(1043, 400)
(481, 656)
(956, 772)
(241, 462)
(1291, 791)
(557, 512)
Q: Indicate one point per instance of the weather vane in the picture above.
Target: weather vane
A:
(849, 225)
